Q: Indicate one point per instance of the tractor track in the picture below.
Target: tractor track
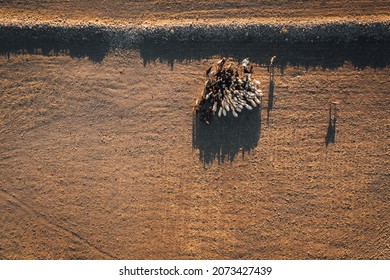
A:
(71, 234)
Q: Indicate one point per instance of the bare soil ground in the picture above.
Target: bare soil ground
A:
(103, 160)
(157, 11)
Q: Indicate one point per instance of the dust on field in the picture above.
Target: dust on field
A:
(98, 161)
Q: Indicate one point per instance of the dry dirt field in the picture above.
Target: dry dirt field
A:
(105, 160)
(158, 11)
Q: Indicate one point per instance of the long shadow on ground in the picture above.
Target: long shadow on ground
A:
(224, 138)
(95, 43)
(53, 41)
(329, 55)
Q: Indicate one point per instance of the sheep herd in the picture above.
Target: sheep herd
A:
(225, 92)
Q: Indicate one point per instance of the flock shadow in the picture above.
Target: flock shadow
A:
(224, 138)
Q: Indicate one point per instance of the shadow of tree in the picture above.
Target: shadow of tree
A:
(95, 43)
(91, 43)
(327, 55)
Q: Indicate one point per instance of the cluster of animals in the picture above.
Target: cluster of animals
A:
(226, 92)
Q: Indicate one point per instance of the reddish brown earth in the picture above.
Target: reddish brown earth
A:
(158, 11)
(97, 159)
